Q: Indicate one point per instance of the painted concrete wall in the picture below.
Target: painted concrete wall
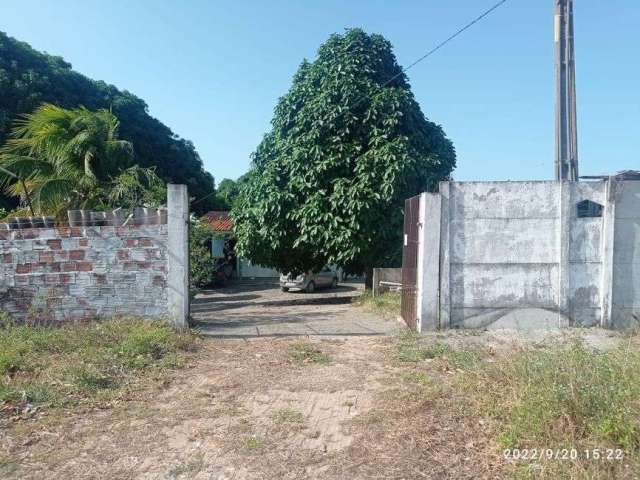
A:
(517, 255)
(626, 256)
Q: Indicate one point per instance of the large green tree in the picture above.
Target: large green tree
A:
(348, 145)
(29, 78)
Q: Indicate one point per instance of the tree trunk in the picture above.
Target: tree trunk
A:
(368, 278)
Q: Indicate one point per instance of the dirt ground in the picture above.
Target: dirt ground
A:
(245, 410)
(250, 409)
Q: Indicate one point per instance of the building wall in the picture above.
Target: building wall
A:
(76, 273)
(516, 255)
(246, 269)
(626, 256)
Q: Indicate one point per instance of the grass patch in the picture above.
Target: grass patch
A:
(412, 348)
(305, 353)
(288, 416)
(387, 303)
(420, 378)
(253, 443)
(75, 363)
(571, 397)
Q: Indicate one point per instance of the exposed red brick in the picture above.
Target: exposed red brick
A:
(69, 266)
(54, 267)
(64, 278)
(76, 232)
(5, 235)
(76, 254)
(145, 242)
(23, 268)
(54, 244)
(85, 266)
(46, 257)
(83, 242)
(132, 242)
(63, 231)
(144, 265)
(158, 280)
(123, 254)
(7, 258)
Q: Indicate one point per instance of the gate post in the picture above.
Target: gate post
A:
(178, 254)
(429, 262)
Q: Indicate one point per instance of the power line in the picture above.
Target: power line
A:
(411, 65)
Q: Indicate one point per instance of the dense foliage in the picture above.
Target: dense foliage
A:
(348, 145)
(228, 192)
(29, 78)
(202, 267)
(67, 159)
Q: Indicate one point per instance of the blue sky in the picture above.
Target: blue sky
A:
(214, 70)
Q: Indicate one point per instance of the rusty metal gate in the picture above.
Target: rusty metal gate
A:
(409, 302)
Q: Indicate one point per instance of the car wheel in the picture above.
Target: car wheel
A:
(284, 289)
(334, 283)
(310, 287)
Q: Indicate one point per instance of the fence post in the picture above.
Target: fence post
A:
(178, 254)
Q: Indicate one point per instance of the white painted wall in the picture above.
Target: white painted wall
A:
(515, 254)
(626, 256)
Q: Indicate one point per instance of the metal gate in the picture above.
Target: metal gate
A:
(409, 302)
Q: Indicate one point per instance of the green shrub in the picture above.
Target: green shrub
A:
(201, 262)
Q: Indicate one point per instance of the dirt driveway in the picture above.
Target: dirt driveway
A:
(244, 311)
(265, 408)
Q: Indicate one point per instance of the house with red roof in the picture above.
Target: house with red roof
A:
(223, 245)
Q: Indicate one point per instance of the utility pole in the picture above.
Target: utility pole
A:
(566, 128)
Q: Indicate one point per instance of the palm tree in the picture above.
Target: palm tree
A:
(67, 158)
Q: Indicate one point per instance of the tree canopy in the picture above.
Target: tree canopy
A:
(29, 78)
(348, 145)
(63, 159)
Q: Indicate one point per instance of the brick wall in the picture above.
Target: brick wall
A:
(77, 273)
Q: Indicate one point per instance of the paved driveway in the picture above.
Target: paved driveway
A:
(264, 311)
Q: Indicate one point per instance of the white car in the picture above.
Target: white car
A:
(308, 282)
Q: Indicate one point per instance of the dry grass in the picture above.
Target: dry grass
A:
(410, 407)
(45, 366)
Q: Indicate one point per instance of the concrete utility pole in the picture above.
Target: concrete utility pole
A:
(566, 129)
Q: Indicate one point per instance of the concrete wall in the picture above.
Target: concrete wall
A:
(626, 256)
(392, 275)
(77, 273)
(517, 255)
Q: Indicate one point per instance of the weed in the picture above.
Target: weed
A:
(415, 377)
(78, 362)
(288, 415)
(88, 377)
(308, 353)
(253, 443)
(387, 303)
(557, 397)
(412, 349)
(192, 467)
